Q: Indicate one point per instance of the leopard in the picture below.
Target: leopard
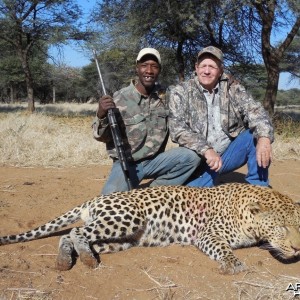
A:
(216, 220)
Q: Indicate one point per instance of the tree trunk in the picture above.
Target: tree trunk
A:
(12, 93)
(271, 90)
(53, 94)
(272, 56)
(31, 107)
(180, 61)
(29, 83)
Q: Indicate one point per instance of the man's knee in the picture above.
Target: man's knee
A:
(189, 156)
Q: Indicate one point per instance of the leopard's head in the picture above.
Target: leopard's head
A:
(277, 222)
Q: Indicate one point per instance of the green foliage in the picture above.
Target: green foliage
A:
(180, 27)
(11, 75)
(68, 85)
(12, 78)
(177, 28)
(27, 25)
(253, 77)
(117, 68)
(289, 97)
(242, 29)
(291, 59)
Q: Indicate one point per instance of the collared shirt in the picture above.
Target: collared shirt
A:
(216, 137)
(142, 120)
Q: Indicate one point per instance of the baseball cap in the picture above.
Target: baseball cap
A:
(216, 52)
(147, 51)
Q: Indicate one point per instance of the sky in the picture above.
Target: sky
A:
(73, 57)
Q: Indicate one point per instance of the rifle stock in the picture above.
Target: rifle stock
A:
(116, 133)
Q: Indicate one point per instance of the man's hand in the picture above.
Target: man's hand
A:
(213, 159)
(106, 102)
(263, 152)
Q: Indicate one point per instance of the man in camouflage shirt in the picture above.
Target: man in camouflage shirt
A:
(142, 115)
(213, 115)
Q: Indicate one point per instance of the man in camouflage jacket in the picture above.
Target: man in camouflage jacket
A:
(142, 115)
(213, 115)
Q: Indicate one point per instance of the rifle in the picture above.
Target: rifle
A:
(116, 133)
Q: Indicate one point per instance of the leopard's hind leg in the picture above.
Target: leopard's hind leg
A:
(64, 259)
(82, 246)
(95, 238)
(75, 241)
(119, 242)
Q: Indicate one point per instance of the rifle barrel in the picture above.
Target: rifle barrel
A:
(99, 72)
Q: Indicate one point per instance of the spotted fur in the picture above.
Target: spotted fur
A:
(216, 220)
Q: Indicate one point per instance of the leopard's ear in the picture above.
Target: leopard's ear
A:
(297, 202)
(256, 208)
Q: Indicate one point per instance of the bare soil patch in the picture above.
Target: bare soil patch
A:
(30, 197)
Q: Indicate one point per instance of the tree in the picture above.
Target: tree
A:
(11, 75)
(25, 24)
(291, 59)
(273, 13)
(253, 77)
(177, 25)
(243, 29)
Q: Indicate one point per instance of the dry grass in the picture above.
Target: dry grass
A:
(286, 148)
(287, 137)
(27, 294)
(264, 286)
(48, 141)
(60, 135)
(59, 109)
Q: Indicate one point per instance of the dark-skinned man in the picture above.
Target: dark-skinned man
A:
(143, 117)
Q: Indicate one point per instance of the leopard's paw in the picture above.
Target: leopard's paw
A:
(232, 267)
(89, 259)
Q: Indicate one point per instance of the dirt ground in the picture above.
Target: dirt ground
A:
(31, 196)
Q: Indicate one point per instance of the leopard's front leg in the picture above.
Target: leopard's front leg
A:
(217, 248)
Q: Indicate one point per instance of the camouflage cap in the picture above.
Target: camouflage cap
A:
(149, 51)
(216, 52)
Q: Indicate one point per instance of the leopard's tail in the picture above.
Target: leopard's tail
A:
(49, 228)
